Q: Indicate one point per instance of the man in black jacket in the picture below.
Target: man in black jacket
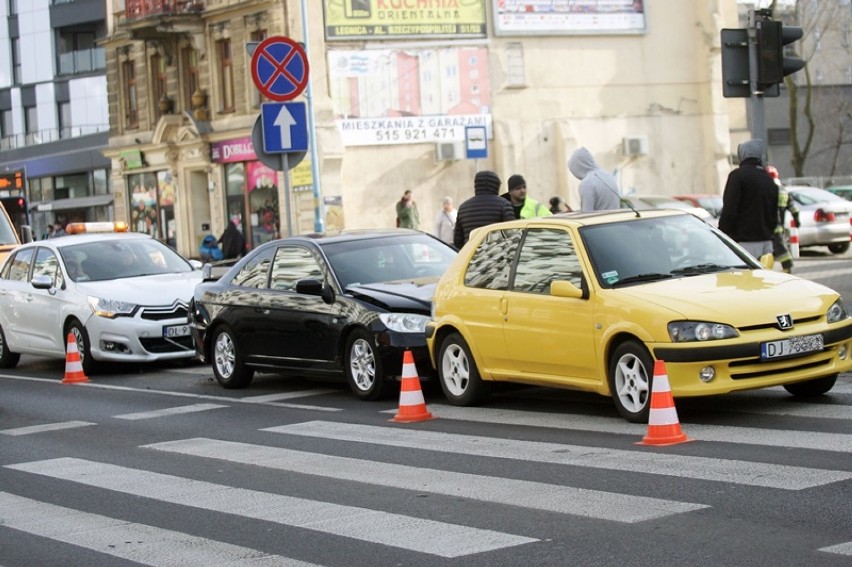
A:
(750, 202)
(484, 208)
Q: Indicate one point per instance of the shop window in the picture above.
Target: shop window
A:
(252, 201)
(152, 205)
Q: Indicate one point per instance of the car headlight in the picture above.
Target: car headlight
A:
(688, 331)
(837, 312)
(110, 308)
(404, 322)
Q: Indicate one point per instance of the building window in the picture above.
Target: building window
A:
(31, 125)
(189, 70)
(257, 98)
(6, 130)
(158, 80)
(226, 64)
(16, 60)
(64, 114)
(131, 95)
(13, 7)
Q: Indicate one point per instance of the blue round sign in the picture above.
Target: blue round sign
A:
(279, 68)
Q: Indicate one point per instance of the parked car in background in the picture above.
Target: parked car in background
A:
(124, 296)
(590, 301)
(844, 191)
(711, 203)
(645, 202)
(346, 306)
(825, 218)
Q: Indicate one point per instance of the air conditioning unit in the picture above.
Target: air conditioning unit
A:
(635, 145)
(449, 151)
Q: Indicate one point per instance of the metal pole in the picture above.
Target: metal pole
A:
(285, 167)
(758, 120)
(319, 223)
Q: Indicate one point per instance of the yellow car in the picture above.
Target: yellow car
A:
(589, 300)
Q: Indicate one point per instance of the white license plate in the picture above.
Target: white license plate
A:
(172, 331)
(791, 346)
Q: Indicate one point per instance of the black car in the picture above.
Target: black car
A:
(346, 305)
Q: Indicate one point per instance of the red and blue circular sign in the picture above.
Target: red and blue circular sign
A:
(279, 68)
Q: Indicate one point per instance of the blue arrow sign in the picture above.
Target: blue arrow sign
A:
(284, 126)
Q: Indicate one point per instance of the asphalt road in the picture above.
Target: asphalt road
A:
(158, 465)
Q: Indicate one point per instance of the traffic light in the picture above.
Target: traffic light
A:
(735, 67)
(772, 66)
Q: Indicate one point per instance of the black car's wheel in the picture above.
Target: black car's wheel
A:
(228, 366)
(630, 374)
(458, 374)
(809, 388)
(81, 337)
(839, 248)
(8, 359)
(363, 368)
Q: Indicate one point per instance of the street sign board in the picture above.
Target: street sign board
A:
(278, 162)
(279, 68)
(285, 127)
(476, 142)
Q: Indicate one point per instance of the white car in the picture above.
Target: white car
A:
(826, 219)
(645, 202)
(123, 295)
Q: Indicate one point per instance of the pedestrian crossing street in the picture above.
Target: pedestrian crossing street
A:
(451, 536)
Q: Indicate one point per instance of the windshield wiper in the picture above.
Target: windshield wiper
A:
(642, 278)
(708, 268)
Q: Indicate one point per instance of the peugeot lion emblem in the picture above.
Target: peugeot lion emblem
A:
(784, 321)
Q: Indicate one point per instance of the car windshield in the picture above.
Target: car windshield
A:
(384, 259)
(648, 249)
(811, 195)
(121, 258)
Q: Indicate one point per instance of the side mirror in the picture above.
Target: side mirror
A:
(564, 288)
(311, 286)
(767, 261)
(42, 281)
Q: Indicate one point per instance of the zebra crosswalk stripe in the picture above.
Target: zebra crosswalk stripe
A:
(397, 530)
(535, 495)
(141, 543)
(639, 461)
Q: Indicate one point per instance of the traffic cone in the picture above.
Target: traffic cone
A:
(663, 425)
(794, 239)
(412, 406)
(73, 365)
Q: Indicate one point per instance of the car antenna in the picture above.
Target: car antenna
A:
(624, 202)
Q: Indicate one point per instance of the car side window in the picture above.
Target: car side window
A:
(20, 265)
(256, 272)
(546, 255)
(291, 264)
(46, 264)
(491, 264)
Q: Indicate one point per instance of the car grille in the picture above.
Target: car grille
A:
(160, 345)
(177, 311)
(774, 325)
(755, 368)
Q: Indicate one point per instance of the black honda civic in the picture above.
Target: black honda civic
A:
(345, 305)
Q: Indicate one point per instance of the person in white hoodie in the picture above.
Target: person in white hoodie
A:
(598, 188)
(445, 222)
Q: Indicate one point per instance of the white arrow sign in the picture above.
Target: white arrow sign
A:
(285, 121)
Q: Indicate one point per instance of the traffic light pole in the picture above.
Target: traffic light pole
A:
(757, 116)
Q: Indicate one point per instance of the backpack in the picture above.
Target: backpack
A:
(209, 250)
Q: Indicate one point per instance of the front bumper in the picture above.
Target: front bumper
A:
(133, 339)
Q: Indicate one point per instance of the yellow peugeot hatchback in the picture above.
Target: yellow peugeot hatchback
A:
(590, 300)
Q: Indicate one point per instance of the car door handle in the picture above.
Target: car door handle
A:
(504, 307)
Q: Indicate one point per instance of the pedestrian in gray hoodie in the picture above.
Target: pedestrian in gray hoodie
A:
(598, 189)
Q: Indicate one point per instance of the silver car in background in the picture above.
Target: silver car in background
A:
(825, 218)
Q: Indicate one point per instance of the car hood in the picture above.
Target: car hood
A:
(409, 295)
(738, 298)
(162, 289)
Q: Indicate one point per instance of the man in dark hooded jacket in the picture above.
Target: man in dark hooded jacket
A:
(232, 240)
(484, 208)
(750, 201)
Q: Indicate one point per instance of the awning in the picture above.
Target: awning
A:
(76, 203)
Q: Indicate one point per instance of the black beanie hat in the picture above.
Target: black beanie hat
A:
(486, 181)
(516, 181)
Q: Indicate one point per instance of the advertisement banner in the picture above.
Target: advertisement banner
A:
(395, 19)
(409, 96)
(568, 17)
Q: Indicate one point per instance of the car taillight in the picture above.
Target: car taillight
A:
(823, 216)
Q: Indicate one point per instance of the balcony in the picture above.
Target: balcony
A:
(17, 141)
(151, 19)
(82, 61)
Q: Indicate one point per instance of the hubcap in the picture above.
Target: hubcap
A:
(81, 344)
(455, 370)
(223, 355)
(631, 383)
(362, 364)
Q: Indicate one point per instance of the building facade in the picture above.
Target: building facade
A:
(53, 108)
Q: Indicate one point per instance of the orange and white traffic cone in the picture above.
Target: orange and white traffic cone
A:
(663, 424)
(412, 406)
(794, 239)
(73, 364)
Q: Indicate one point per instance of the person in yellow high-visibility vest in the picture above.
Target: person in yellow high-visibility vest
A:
(779, 247)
